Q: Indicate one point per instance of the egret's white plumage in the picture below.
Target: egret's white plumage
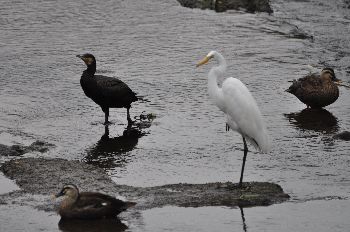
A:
(239, 106)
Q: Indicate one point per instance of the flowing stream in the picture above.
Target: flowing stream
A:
(153, 46)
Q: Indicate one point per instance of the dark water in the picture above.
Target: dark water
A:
(153, 46)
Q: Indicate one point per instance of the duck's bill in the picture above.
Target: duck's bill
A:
(339, 83)
(58, 194)
(337, 80)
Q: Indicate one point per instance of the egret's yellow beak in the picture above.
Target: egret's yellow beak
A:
(204, 61)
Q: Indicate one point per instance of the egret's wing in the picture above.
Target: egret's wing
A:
(241, 108)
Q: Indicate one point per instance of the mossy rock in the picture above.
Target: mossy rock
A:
(46, 176)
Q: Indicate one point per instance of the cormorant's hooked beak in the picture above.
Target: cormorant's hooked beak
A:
(204, 61)
(87, 60)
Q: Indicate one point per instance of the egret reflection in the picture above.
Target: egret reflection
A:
(106, 225)
(243, 219)
(319, 120)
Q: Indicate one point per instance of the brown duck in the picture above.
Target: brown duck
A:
(89, 205)
(316, 91)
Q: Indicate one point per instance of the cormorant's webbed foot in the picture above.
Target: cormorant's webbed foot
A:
(130, 122)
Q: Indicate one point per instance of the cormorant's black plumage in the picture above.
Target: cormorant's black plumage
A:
(107, 92)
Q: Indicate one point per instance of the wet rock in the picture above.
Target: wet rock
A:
(18, 150)
(347, 4)
(298, 33)
(47, 176)
(216, 194)
(345, 135)
(223, 5)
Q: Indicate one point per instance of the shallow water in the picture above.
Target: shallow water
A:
(153, 46)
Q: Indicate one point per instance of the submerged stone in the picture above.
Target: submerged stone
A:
(223, 5)
(46, 176)
(345, 135)
(18, 150)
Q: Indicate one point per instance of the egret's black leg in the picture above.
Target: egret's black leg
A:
(105, 136)
(243, 164)
(106, 115)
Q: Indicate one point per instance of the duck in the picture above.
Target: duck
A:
(89, 205)
(316, 91)
(107, 92)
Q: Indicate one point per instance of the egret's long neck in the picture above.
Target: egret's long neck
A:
(215, 92)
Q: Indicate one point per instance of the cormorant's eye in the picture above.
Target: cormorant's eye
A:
(88, 60)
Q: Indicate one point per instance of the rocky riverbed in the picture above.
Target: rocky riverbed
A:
(38, 178)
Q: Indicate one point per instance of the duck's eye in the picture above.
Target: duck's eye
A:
(65, 191)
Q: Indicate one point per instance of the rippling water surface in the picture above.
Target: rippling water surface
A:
(153, 46)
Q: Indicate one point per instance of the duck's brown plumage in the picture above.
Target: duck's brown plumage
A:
(89, 205)
(316, 91)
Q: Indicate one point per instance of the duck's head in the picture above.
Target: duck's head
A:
(330, 73)
(69, 190)
(88, 59)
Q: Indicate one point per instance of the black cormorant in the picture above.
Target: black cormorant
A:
(107, 92)
(316, 91)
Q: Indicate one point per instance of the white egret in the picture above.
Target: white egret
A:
(239, 106)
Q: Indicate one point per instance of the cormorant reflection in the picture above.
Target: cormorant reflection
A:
(319, 120)
(106, 225)
(107, 151)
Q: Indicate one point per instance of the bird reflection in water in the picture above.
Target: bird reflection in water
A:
(243, 219)
(110, 152)
(106, 225)
(319, 120)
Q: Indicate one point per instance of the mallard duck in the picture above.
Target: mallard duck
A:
(316, 91)
(107, 92)
(89, 205)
